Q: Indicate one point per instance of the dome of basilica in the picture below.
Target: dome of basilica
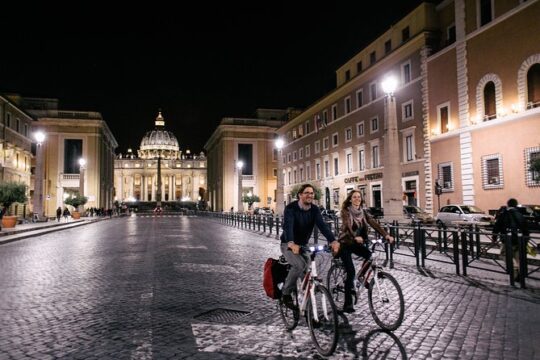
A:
(159, 140)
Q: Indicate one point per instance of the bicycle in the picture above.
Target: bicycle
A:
(385, 297)
(313, 300)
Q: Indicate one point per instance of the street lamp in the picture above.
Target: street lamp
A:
(279, 143)
(393, 193)
(82, 167)
(239, 166)
(38, 179)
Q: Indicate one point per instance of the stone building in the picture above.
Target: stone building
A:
(183, 175)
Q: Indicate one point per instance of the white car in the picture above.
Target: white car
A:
(460, 212)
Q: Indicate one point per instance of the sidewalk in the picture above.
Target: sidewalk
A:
(28, 230)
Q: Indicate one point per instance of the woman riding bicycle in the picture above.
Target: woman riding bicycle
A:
(353, 233)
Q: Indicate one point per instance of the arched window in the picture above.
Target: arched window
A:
(533, 86)
(490, 109)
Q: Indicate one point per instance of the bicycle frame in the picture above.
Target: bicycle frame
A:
(307, 287)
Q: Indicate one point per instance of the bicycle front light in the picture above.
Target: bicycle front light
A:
(312, 248)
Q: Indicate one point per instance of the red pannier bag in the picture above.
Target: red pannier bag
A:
(274, 273)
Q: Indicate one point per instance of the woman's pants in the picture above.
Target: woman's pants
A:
(345, 253)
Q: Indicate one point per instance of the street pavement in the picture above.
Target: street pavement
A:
(179, 287)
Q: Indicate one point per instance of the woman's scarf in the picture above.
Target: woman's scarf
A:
(356, 216)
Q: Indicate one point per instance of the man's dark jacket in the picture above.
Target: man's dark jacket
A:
(298, 224)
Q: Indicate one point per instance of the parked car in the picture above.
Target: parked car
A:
(531, 213)
(376, 212)
(461, 212)
(417, 214)
(263, 211)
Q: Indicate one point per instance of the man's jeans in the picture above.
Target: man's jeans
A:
(299, 265)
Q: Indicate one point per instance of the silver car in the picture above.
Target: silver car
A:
(467, 213)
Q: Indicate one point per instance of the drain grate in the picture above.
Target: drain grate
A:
(221, 315)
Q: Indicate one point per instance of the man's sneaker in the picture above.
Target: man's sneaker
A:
(288, 301)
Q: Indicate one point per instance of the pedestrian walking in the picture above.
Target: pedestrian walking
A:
(510, 220)
(66, 214)
(58, 214)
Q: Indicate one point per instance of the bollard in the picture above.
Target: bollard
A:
(523, 241)
(464, 251)
(455, 241)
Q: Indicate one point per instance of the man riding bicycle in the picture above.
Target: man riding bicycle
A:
(299, 219)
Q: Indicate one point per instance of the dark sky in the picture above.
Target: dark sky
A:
(197, 64)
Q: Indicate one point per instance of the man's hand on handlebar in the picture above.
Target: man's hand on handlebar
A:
(294, 248)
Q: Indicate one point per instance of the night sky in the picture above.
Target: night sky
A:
(198, 64)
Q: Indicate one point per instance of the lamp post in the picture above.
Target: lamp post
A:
(239, 166)
(279, 143)
(82, 167)
(393, 193)
(38, 180)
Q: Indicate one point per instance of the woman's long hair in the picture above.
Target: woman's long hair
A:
(348, 202)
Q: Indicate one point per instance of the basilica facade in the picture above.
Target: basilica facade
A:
(183, 174)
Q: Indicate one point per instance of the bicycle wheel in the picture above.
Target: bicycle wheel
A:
(323, 321)
(335, 283)
(289, 316)
(386, 301)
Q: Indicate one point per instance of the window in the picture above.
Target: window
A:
(409, 146)
(359, 99)
(326, 143)
(290, 178)
(360, 129)
(308, 171)
(26, 130)
(405, 34)
(335, 196)
(347, 105)
(347, 75)
(348, 134)
(307, 127)
(443, 115)
(372, 58)
(289, 158)
(274, 171)
(387, 47)
(275, 155)
(326, 168)
(375, 156)
(446, 176)
(373, 91)
(451, 34)
(318, 170)
(407, 110)
(349, 163)
(18, 125)
(361, 159)
(336, 166)
(533, 86)
(335, 141)
(490, 109)
(72, 154)
(374, 125)
(532, 156)
(334, 112)
(485, 8)
(301, 174)
(308, 150)
(359, 67)
(8, 119)
(406, 73)
(294, 156)
(301, 153)
(294, 135)
(317, 146)
(245, 153)
(492, 172)
(325, 117)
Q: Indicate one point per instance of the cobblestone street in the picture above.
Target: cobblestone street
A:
(187, 287)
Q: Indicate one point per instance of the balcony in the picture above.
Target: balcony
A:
(69, 180)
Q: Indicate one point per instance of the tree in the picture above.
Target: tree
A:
(534, 166)
(12, 192)
(76, 200)
(316, 190)
(250, 199)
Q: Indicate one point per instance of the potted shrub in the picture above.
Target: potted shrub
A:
(250, 199)
(11, 192)
(76, 200)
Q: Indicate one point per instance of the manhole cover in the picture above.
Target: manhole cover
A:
(221, 315)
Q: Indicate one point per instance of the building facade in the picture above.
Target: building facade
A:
(250, 140)
(71, 136)
(483, 102)
(467, 108)
(339, 142)
(183, 174)
(16, 147)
